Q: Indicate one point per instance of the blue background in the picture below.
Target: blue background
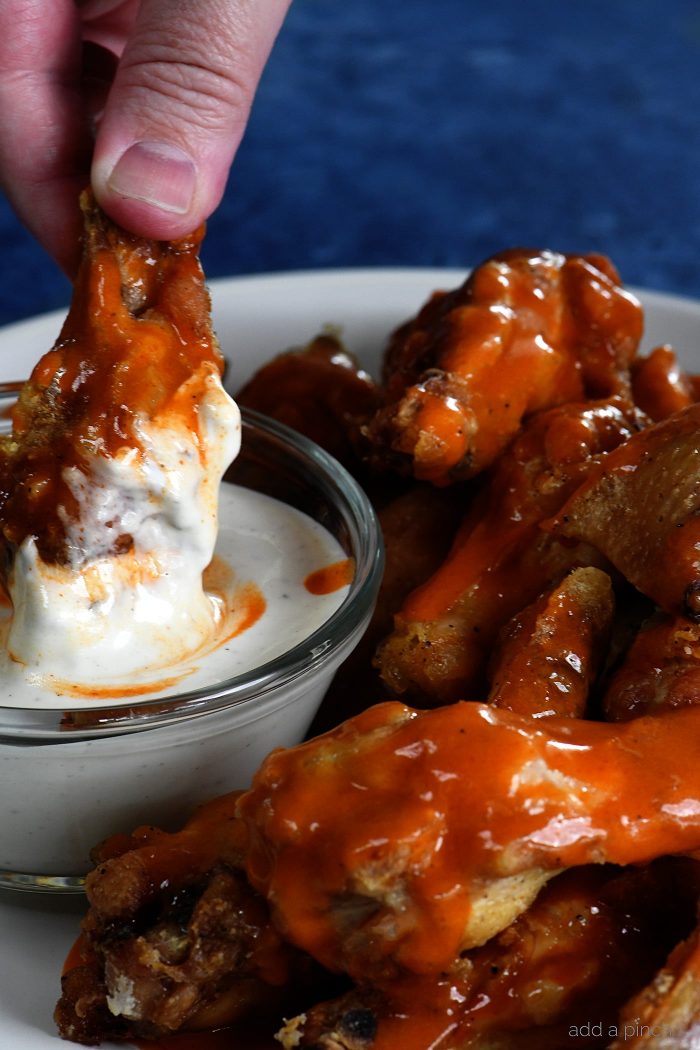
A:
(435, 132)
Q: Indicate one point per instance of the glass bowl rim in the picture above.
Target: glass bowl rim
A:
(26, 725)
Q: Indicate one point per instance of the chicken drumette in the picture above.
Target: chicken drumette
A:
(527, 330)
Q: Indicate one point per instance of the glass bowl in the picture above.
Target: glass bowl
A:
(67, 780)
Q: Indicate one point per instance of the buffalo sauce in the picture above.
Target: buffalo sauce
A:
(526, 331)
(331, 577)
(437, 806)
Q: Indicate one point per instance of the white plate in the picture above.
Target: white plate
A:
(255, 318)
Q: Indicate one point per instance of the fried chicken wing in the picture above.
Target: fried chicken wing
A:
(109, 481)
(136, 345)
(550, 653)
(501, 560)
(527, 330)
(404, 838)
(321, 391)
(660, 387)
(592, 938)
(640, 509)
(175, 937)
(660, 671)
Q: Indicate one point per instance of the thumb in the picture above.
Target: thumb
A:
(178, 108)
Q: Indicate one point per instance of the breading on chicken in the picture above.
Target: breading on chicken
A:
(175, 937)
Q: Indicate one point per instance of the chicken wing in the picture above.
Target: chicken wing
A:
(550, 654)
(109, 481)
(404, 838)
(136, 345)
(660, 387)
(592, 938)
(501, 559)
(321, 391)
(660, 671)
(382, 849)
(175, 937)
(527, 330)
(640, 509)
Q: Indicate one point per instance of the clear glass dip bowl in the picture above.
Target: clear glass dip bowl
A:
(67, 784)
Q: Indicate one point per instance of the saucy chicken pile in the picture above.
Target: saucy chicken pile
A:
(493, 842)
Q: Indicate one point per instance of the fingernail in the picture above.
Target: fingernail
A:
(156, 173)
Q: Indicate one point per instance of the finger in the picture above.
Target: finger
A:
(44, 141)
(178, 108)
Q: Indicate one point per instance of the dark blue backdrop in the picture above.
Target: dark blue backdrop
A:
(434, 132)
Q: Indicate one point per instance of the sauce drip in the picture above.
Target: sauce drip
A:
(331, 578)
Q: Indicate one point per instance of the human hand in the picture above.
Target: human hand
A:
(148, 98)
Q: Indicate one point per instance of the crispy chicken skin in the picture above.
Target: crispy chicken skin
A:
(383, 847)
(527, 330)
(501, 559)
(175, 937)
(592, 938)
(137, 332)
(640, 509)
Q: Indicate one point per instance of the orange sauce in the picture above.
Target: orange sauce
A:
(557, 795)
(558, 446)
(243, 606)
(91, 692)
(526, 331)
(331, 578)
(247, 606)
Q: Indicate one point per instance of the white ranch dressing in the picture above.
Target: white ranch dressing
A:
(265, 550)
